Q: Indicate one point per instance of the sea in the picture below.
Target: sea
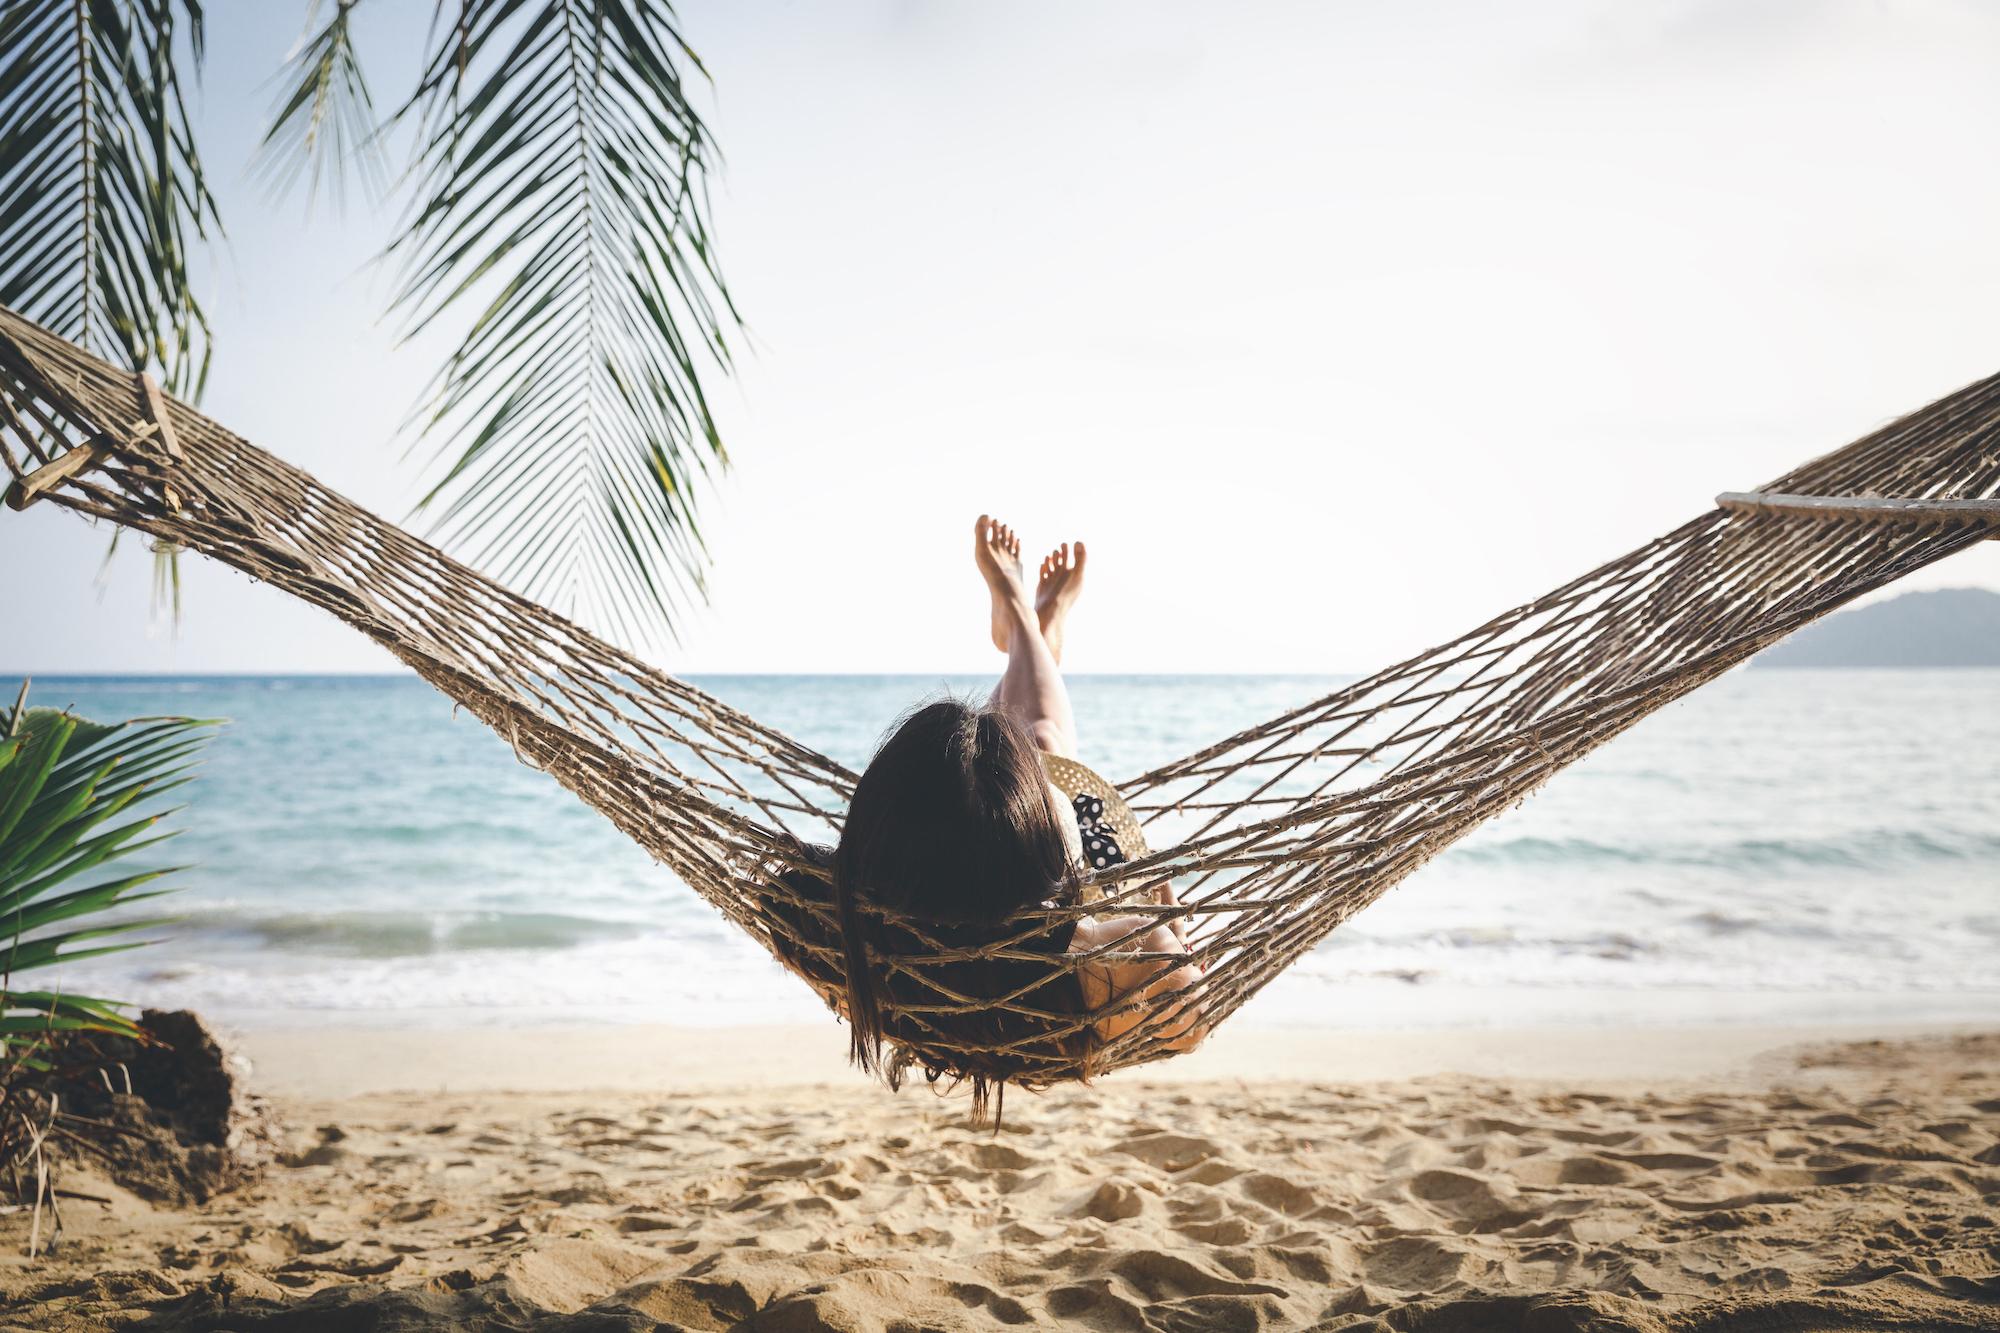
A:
(1782, 847)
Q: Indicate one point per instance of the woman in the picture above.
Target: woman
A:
(959, 824)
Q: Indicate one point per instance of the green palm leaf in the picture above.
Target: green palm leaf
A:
(101, 190)
(562, 201)
(324, 122)
(75, 796)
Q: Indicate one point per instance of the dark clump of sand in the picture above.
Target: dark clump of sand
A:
(171, 1122)
(1857, 1187)
(166, 1120)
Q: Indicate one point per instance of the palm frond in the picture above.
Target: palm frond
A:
(102, 194)
(76, 795)
(324, 122)
(562, 178)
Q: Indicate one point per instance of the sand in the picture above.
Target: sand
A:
(1816, 1186)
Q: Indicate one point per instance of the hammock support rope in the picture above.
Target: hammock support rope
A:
(1273, 836)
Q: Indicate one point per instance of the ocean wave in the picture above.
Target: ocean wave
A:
(1867, 849)
(1616, 945)
(393, 934)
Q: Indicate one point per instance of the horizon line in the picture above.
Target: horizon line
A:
(689, 675)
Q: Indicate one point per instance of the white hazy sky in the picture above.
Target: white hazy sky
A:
(1334, 327)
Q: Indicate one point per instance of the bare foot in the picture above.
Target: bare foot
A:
(1056, 591)
(996, 549)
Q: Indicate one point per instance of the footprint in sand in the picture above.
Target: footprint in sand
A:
(1113, 1201)
(1277, 1193)
(1168, 1151)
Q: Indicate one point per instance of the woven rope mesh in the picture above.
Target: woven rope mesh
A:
(1273, 836)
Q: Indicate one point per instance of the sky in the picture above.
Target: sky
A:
(1334, 328)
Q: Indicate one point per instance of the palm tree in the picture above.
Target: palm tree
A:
(557, 213)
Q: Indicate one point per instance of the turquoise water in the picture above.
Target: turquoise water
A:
(1783, 846)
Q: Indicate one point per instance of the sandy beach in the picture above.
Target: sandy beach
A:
(1643, 1180)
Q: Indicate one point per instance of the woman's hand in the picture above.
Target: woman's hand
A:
(1163, 894)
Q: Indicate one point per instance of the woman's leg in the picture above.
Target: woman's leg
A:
(1031, 688)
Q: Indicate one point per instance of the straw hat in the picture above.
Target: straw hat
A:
(1073, 780)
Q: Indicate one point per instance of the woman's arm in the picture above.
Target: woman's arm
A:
(1148, 980)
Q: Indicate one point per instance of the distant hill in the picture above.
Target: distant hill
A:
(1952, 627)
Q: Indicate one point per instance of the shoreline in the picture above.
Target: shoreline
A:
(332, 1062)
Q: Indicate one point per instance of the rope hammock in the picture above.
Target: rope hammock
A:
(1273, 836)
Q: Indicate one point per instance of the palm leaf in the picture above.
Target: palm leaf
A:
(324, 121)
(103, 188)
(76, 796)
(28, 1017)
(562, 204)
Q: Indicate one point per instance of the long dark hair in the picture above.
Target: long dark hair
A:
(952, 825)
